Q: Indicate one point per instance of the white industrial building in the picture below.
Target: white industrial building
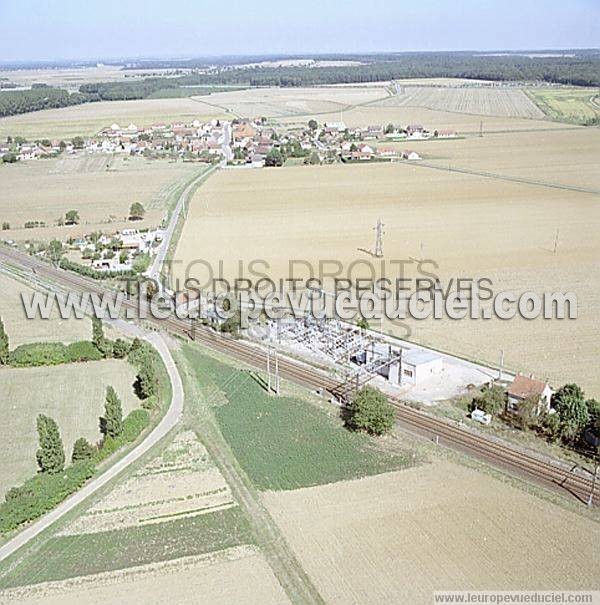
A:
(418, 366)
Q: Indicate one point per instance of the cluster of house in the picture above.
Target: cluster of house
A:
(203, 139)
(241, 141)
(117, 251)
(33, 151)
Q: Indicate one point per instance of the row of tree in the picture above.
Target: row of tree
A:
(50, 455)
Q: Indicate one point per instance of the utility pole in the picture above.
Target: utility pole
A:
(379, 239)
(591, 498)
(501, 364)
(556, 240)
(481, 129)
(269, 368)
(277, 373)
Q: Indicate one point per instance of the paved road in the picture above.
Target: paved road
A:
(170, 419)
(159, 259)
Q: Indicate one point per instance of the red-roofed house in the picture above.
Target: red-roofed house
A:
(526, 387)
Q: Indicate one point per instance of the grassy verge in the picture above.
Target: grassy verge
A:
(69, 556)
(570, 105)
(286, 442)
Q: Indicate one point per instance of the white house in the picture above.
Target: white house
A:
(527, 387)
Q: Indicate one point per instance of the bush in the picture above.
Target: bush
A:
(133, 426)
(54, 353)
(39, 354)
(40, 494)
(84, 350)
(492, 399)
(82, 450)
(370, 411)
(121, 348)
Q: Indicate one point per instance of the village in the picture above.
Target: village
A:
(240, 143)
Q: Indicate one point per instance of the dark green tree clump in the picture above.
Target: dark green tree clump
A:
(136, 211)
(111, 424)
(370, 411)
(51, 453)
(571, 412)
(82, 451)
(4, 345)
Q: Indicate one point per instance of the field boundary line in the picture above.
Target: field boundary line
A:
(506, 177)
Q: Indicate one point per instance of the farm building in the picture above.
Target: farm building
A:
(526, 387)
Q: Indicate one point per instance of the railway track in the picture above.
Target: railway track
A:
(554, 475)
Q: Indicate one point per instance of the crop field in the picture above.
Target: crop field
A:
(72, 394)
(90, 118)
(21, 330)
(182, 482)
(438, 527)
(236, 575)
(175, 505)
(470, 225)
(101, 189)
(485, 101)
(576, 105)
(291, 444)
(280, 102)
(64, 557)
(431, 119)
(569, 156)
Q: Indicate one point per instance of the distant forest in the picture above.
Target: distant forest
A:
(581, 69)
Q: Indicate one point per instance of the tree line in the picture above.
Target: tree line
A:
(581, 69)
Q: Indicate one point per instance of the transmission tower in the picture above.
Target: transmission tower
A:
(379, 239)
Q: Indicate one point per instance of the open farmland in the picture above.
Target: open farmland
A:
(470, 225)
(90, 118)
(72, 394)
(181, 482)
(485, 101)
(439, 527)
(577, 105)
(236, 575)
(292, 444)
(21, 330)
(101, 189)
(281, 102)
(463, 123)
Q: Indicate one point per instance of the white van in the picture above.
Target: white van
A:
(481, 416)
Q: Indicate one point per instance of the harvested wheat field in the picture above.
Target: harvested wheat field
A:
(101, 189)
(400, 536)
(237, 575)
(568, 156)
(89, 118)
(279, 102)
(432, 119)
(467, 225)
(509, 102)
(182, 482)
(21, 330)
(72, 394)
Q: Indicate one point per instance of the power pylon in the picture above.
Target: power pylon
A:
(379, 239)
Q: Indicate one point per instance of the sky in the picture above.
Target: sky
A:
(82, 29)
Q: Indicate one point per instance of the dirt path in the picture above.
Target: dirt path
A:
(286, 567)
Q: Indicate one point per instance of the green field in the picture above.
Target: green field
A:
(286, 442)
(71, 556)
(572, 105)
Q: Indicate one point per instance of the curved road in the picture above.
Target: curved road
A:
(170, 419)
